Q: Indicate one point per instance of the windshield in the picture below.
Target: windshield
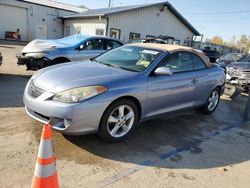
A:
(130, 58)
(72, 40)
(245, 59)
(232, 56)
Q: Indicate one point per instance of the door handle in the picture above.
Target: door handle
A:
(194, 81)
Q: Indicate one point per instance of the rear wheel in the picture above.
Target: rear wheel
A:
(212, 102)
(118, 121)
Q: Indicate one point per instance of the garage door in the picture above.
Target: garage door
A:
(12, 18)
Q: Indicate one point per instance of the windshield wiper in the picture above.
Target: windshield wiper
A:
(112, 65)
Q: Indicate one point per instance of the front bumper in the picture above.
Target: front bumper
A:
(33, 63)
(73, 119)
(242, 81)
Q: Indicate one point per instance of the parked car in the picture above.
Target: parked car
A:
(213, 55)
(238, 73)
(42, 53)
(225, 60)
(111, 93)
(1, 59)
(148, 40)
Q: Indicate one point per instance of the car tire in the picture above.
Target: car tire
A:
(212, 102)
(118, 121)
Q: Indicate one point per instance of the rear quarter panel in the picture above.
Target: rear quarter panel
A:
(212, 77)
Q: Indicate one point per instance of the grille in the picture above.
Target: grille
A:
(35, 91)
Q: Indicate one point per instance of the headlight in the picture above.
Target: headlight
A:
(37, 55)
(78, 94)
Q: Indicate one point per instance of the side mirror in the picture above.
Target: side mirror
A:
(163, 71)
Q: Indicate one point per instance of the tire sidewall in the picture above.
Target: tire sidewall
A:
(103, 132)
(205, 108)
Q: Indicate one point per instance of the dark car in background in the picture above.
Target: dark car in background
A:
(227, 59)
(213, 55)
(148, 40)
(1, 58)
(238, 73)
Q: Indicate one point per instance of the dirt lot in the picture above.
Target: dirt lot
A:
(185, 150)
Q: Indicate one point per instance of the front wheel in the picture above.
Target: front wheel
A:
(212, 102)
(118, 121)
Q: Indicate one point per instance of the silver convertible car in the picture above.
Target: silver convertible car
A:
(42, 53)
(111, 93)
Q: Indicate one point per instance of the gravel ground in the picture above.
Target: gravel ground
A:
(182, 150)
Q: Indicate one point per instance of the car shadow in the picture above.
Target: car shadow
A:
(11, 90)
(169, 137)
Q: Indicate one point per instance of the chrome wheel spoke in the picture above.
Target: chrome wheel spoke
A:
(121, 111)
(213, 95)
(125, 128)
(112, 119)
(114, 130)
(129, 115)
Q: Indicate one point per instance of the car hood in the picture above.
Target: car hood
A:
(241, 65)
(44, 45)
(76, 74)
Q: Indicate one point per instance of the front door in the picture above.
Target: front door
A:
(170, 93)
(89, 49)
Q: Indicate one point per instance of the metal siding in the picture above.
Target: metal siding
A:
(13, 21)
(88, 26)
(35, 16)
(146, 22)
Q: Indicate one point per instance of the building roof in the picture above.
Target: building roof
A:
(115, 10)
(57, 5)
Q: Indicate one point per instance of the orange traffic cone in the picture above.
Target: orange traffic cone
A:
(45, 175)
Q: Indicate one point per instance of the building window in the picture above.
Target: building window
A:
(78, 30)
(67, 31)
(99, 32)
(133, 36)
(176, 42)
(150, 36)
(115, 33)
(186, 42)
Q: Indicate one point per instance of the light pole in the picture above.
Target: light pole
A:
(247, 109)
(110, 1)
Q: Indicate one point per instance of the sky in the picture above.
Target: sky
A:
(226, 18)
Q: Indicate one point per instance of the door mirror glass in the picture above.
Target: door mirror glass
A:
(163, 71)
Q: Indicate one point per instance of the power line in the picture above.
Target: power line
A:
(214, 21)
(217, 13)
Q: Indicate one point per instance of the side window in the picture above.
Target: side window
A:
(99, 32)
(179, 62)
(110, 44)
(94, 44)
(198, 63)
(133, 36)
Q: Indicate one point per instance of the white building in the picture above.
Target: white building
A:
(35, 18)
(130, 22)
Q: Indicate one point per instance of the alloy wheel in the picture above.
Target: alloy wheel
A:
(120, 121)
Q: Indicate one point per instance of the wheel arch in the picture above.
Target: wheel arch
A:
(58, 59)
(128, 97)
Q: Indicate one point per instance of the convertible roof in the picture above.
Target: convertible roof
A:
(174, 48)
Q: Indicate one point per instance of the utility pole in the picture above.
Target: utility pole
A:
(110, 2)
(247, 109)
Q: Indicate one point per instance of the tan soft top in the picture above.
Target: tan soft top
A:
(174, 48)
